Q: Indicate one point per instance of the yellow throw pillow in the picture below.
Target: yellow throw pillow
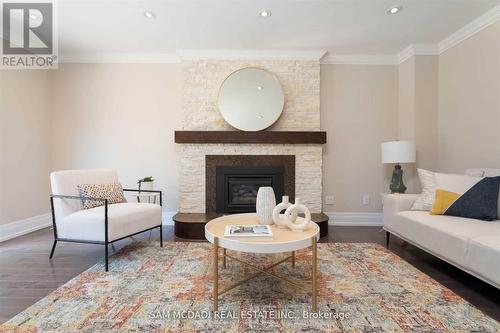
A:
(444, 199)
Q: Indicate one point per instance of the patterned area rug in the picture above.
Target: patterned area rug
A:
(362, 288)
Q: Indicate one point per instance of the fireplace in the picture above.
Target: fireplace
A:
(232, 181)
(237, 186)
(243, 175)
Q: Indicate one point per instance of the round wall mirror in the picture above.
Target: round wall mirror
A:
(251, 99)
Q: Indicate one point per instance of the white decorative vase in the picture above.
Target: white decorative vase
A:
(291, 214)
(279, 219)
(266, 201)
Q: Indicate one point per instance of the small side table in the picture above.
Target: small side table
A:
(142, 196)
(146, 197)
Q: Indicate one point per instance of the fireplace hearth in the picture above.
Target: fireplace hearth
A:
(237, 186)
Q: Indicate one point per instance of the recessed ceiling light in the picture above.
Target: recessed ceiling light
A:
(260, 87)
(265, 13)
(394, 10)
(149, 14)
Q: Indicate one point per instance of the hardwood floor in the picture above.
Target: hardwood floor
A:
(27, 275)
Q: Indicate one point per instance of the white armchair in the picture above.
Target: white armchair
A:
(99, 225)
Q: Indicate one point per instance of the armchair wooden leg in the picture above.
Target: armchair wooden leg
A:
(161, 235)
(53, 248)
(387, 237)
(106, 255)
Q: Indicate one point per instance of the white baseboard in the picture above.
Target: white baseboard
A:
(166, 218)
(22, 227)
(354, 219)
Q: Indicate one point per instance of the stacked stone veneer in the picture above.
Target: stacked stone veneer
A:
(301, 84)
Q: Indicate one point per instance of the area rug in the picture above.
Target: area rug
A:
(362, 288)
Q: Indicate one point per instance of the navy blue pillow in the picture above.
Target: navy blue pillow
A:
(479, 202)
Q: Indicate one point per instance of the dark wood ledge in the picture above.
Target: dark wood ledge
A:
(270, 137)
(192, 225)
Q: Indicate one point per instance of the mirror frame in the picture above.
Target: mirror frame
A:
(261, 69)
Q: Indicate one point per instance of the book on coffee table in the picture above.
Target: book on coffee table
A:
(249, 232)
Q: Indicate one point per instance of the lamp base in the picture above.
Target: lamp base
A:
(397, 185)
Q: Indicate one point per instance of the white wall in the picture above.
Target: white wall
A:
(24, 144)
(120, 116)
(469, 103)
(359, 106)
(418, 114)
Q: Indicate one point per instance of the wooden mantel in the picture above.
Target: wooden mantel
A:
(269, 137)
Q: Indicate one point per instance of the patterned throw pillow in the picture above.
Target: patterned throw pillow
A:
(113, 192)
(426, 199)
(465, 196)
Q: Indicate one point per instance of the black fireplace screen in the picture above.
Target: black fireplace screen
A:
(237, 186)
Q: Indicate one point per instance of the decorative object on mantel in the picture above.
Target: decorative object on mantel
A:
(291, 214)
(266, 201)
(263, 137)
(398, 152)
(279, 219)
(146, 183)
(251, 99)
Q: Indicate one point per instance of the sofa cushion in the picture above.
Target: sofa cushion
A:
(446, 236)
(483, 256)
(123, 219)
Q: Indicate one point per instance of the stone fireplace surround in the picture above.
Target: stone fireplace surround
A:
(193, 191)
(300, 80)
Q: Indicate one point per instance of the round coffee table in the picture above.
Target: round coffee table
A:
(284, 240)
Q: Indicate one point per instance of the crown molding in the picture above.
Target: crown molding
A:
(119, 58)
(193, 55)
(359, 59)
(417, 49)
(483, 21)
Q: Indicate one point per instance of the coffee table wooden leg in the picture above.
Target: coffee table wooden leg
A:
(293, 259)
(216, 273)
(314, 274)
(224, 258)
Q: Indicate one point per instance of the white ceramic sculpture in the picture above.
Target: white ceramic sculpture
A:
(279, 219)
(266, 201)
(291, 216)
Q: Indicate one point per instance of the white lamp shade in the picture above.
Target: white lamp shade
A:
(398, 152)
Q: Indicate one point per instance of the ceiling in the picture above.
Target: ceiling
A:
(341, 27)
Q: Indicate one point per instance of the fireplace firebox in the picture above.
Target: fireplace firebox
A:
(237, 186)
(244, 175)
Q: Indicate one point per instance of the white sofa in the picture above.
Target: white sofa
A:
(471, 245)
(99, 225)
